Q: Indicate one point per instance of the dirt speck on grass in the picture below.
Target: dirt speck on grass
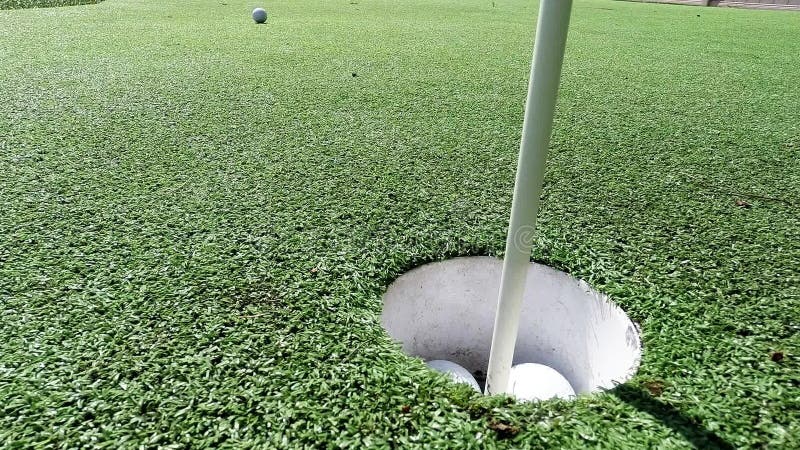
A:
(655, 387)
(503, 429)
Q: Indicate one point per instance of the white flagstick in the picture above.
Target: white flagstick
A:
(548, 54)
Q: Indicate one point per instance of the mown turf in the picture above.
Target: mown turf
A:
(21, 4)
(198, 216)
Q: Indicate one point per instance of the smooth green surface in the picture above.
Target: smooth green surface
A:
(198, 216)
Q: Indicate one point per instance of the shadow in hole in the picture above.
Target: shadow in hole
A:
(691, 430)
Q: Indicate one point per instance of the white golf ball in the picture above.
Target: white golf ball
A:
(456, 372)
(259, 15)
(531, 382)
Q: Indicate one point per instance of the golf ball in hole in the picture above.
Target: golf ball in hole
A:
(456, 372)
(532, 382)
(259, 15)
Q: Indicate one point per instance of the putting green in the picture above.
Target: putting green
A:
(20, 4)
(198, 217)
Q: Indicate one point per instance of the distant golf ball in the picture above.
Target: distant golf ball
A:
(531, 382)
(259, 15)
(456, 372)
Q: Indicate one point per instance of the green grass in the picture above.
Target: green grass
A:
(198, 217)
(21, 4)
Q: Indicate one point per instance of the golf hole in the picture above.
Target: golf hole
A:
(446, 310)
